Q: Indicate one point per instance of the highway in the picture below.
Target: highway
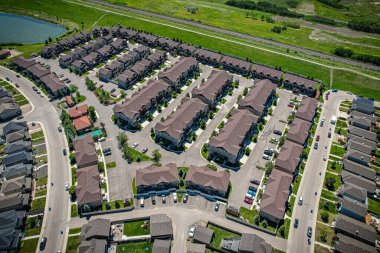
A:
(44, 112)
(311, 180)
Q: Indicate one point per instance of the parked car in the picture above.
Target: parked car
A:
(316, 145)
(106, 150)
(43, 243)
(135, 145)
(290, 105)
(141, 202)
(18, 76)
(296, 223)
(59, 129)
(317, 138)
(278, 132)
(101, 139)
(17, 85)
(217, 204)
(269, 151)
(300, 201)
(163, 199)
(252, 192)
(309, 231)
(274, 140)
(113, 90)
(153, 200)
(266, 157)
(255, 181)
(191, 231)
(64, 152)
(334, 90)
(175, 197)
(34, 88)
(248, 201)
(324, 158)
(252, 188)
(145, 150)
(249, 196)
(185, 198)
(67, 186)
(321, 123)
(329, 135)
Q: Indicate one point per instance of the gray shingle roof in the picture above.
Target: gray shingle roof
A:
(254, 243)
(203, 235)
(359, 169)
(362, 133)
(356, 229)
(160, 225)
(161, 246)
(97, 228)
(346, 244)
(354, 206)
(153, 175)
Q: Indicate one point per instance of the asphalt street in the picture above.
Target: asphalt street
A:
(58, 167)
(311, 180)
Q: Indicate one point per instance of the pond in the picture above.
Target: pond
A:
(27, 30)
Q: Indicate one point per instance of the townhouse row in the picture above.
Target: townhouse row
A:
(8, 107)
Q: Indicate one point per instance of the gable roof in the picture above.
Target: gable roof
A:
(78, 111)
(153, 175)
(306, 109)
(363, 104)
(308, 83)
(203, 234)
(22, 62)
(82, 123)
(354, 206)
(85, 151)
(87, 188)
(362, 133)
(96, 228)
(350, 178)
(217, 180)
(8, 219)
(38, 70)
(298, 131)
(208, 54)
(92, 246)
(359, 115)
(236, 62)
(289, 157)
(160, 225)
(53, 82)
(350, 190)
(180, 67)
(359, 169)
(359, 146)
(15, 126)
(346, 244)
(271, 72)
(254, 243)
(356, 229)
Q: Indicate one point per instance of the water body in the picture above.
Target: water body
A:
(27, 30)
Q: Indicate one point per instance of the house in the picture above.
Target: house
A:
(16, 158)
(119, 45)
(236, 65)
(142, 51)
(17, 147)
(275, 198)
(161, 246)
(346, 244)
(105, 74)
(161, 227)
(251, 243)
(69, 101)
(37, 71)
(203, 235)
(16, 136)
(15, 126)
(359, 169)
(214, 88)
(99, 42)
(153, 178)
(16, 185)
(86, 35)
(147, 39)
(9, 111)
(10, 239)
(66, 60)
(208, 57)
(22, 64)
(126, 79)
(232, 139)
(78, 111)
(289, 157)
(301, 85)
(358, 157)
(4, 54)
(259, 98)
(54, 85)
(360, 147)
(353, 192)
(298, 131)
(207, 181)
(4, 97)
(362, 123)
(17, 170)
(361, 140)
(105, 31)
(180, 72)
(129, 59)
(85, 152)
(96, 229)
(128, 34)
(363, 105)
(359, 115)
(105, 52)
(167, 44)
(93, 246)
(186, 49)
(96, 32)
(80, 39)
(50, 51)
(362, 133)
(92, 59)
(11, 219)
(353, 209)
(116, 67)
(141, 68)
(15, 201)
(180, 124)
(80, 66)
(90, 47)
(196, 248)
(355, 229)
(88, 187)
(158, 58)
(353, 179)
(115, 30)
(82, 124)
(133, 109)
(79, 53)
(306, 109)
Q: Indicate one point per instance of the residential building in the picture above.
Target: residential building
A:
(93, 246)
(16, 185)
(354, 179)
(363, 105)
(15, 126)
(355, 229)
(368, 135)
(128, 34)
(300, 85)
(360, 147)
(147, 39)
(37, 71)
(161, 246)
(82, 124)
(17, 170)
(15, 201)
(251, 243)
(362, 123)
(181, 123)
(126, 79)
(361, 140)
(4, 54)
(307, 109)
(275, 198)
(214, 88)
(129, 59)
(358, 157)
(298, 131)
(88, 187)
(142, 51)
(96, 229)
(105, 52)
(11, 219)
(153, 178)
(17, 146)
(158, 58)
(203, 235)
(161, 227)
(180, 72)
(196, 248)
(55, 86)
(263, 72)
(232, 139)
(22, 64)
(259, 98)
(208, 57)
(9, 111)
(167, 44)
(85, 152)
(207, 181)
(358, 169)
(17, 136)
(79, 53)
(50, 51)
(289, 157)
(67, 59)
(78, 111)
(346, 244)
(236, 65)
(352, 209)
(16, 158)
(10, 239)
(354, 193)
(119, 45)
(80, 66)
(359, 115)
(186, 49)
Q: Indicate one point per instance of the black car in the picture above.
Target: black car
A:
(106, 150)
(278, 132)
(329, 135)
(309, 231)
(185, 197)
(34, 88)
(316, 145)
(64, 152)
(255, 181)
(113, 90)
(296, 223)
(153, 200)
(43, 243)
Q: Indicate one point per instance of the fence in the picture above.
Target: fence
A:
(250, 225)
(127, 209)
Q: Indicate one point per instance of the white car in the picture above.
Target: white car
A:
(191, 232)
(175, 197)
(324, 158)
(266, 157)
(135, 145)
(102, 139)
(67, 186)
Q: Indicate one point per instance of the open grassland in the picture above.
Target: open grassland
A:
(74, 13)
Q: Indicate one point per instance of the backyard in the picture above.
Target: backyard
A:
(219, 234)
(136, 247)
(135, 228)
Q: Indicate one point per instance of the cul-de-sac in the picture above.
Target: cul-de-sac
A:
(176, 126)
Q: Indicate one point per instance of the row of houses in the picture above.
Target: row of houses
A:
(203, 179)
(41, 75)
(352, 231)
(9, 109)
(276, 195)
(16, 183)
(229, 144)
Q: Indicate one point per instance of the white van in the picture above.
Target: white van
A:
(142, 202)
(300, 201)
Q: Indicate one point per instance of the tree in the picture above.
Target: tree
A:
(180, 173)
(90, 84)
(122, 139)
(101, 167)
(203, 124)
(156, 155)
(330, 183)
(281, 141)
(333, 165)
(265, 223)
(181, 183)
(127, 153)
(72, 192)
(268, 168)
(325, 216)
(281, 230)
(245, 92)
(323, 235)
(257, 219)
(122, 94)
(91, 112)
(73, 88)
(138, 158)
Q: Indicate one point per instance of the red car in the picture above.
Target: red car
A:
(290, 105)
(248, 201)
(327, 97)
(317, 139)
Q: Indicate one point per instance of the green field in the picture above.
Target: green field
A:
(71, 13)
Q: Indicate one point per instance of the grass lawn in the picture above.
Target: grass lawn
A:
(328, 195)
(74, 231)
(341, 123)
(42, 159)
(32, 231)
(28, 246)
(219, 234)
(333, 158)
(73, 175)
(135, 228)
(37, 135)
(296, 184)
(341, 131)
(41, 192)
(289, 210)
(74, 210)
(204, 152)
(134, 188)
(320, 249)
(136, 153)
(336, 184)
(248, 214)
(337, 150)
(115, 204)
(328, 206)
(324, 234)
(72, 244)
(135, 247)
(334, 167)
(111, 165)
(38, 204)
(42, 181)
(374, 206)
(184, 172)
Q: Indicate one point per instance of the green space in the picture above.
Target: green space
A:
(40, 192)
(33, 226)
(28, 245)
(289, 210)
(37, 135)
(74, 210)
(219, 234)
(342, 79)
(134, 188)
(334, 167)
(41, 181)
(42, 159)
(74, 231)
(32, 231)
(374, 206)
(253, 217)
(135, 228)
(341, 131)
(341, 123)
(72, 244)
(112, 205)
(324, 234)
(328, 195)
(327, 206)
(136, 154)
(337, 150)
(73, 175)
(182, 171)
(38, 204)
(19, 98)
(320, 249)
(332, 182)
(296, 184)
(135, 247)
(334, 158)
(111, 165)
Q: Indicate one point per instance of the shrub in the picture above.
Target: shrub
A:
(281, 230)
(257, 219)
(325, 216)
(138, 159)
(265, 223)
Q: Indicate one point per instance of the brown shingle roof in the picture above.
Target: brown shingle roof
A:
(208, 54)
(346, 244)
(85, 152)
(276, 194)
(97, 228)
(360, 115)
(236, 62)
(308, 83)
(270, 72)
(362, 133)
(22, 62)
(53, 82)
(160, 225)
(360, 147)
(153, 175)
(254, 243)
(38, 70)
(87, 188)
(356, 229)
(217, 180)
(306, 109)
(183, 65)
(298, 131)
(289, 157)
(203, 234)
(354, 206)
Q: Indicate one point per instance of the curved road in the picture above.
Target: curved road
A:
(311, 180)
(237, 34)
(58, 167)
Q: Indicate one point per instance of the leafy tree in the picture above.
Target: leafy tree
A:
(138, 158)
(73, 88)
(122, 139)
(257, 219)
(268, 168)
(325, 216)
(265, 223)
(101, 167)
(72, 158)
(72, 192)
(122, 94)
(330, 183)
(281, 141)
(281, 230)
(90, 84)
(156, 155)
(323, 235)
(91, 112)
(181, 183)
